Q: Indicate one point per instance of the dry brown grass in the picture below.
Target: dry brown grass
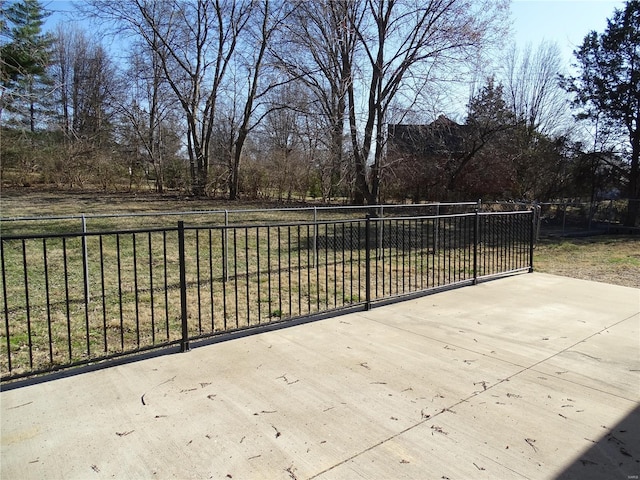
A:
(611, 259)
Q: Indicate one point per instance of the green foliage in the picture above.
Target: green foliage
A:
(608, 86)
(484, 166)
(27, 52)
(24, 60)
(488, 108)
(176, 175)
(315, 187)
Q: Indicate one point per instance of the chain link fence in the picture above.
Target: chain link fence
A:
(555, 218)
(604, 216)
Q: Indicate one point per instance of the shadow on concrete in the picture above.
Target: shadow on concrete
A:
(616, 455)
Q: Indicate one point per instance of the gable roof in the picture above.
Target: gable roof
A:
(441, 136)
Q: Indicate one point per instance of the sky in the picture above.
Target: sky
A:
(565, 22)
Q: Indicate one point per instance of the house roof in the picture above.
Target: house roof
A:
(442, 135)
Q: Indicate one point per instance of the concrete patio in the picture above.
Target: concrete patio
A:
(530, 376)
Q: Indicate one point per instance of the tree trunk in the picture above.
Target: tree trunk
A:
(633, 209)
(234, 181)
(199, 187)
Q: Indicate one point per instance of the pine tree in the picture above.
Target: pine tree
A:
(24, 58)
(480, 167)
(607, 91)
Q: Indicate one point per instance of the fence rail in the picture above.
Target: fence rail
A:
(111, 221)
(75, 298)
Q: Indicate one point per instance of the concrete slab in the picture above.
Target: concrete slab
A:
(512, 323)
(540, 421)
(531, 376)
(591, 361)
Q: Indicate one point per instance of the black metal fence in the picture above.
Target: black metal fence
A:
(75, 298)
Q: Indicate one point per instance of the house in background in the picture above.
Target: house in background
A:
(445, 160)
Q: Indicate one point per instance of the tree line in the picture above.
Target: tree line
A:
(295, 98)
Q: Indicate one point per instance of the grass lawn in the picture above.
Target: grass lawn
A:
(611, 259)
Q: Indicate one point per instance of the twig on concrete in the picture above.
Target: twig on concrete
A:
(290, 471)
(483, 383)
(531, 441)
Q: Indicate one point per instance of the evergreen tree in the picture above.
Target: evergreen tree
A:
(482, 167)
(24, 57)
(608, 89)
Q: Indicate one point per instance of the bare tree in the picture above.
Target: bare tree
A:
(267, 18)
(62, 70)
(321, 54)
(532, 88)
(92, 90)
(86, 86)
(403, 43)
(284, 141)
(86, 83)
(149, 107)
(195, 41)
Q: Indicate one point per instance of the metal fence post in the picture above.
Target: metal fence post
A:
(436, 243)
(367, 267)
(379, 249)
(538, 221)
(85, 264)
(315, 236)
(476, 226)
(184, 341)
(85, 260)
(225, 248)
(532, 238)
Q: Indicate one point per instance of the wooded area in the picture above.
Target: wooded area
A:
(297, 99)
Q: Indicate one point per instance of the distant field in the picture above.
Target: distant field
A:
(609, 259)
(33, 203)
(27, 202)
